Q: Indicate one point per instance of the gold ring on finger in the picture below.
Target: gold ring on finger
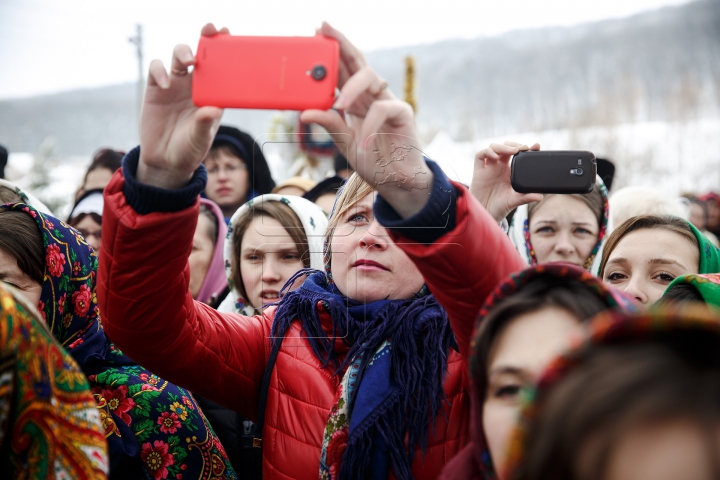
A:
(179, 72)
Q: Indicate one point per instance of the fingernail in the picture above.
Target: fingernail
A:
(187, 57)
(339, 104)
(523, 147)
(164, 84)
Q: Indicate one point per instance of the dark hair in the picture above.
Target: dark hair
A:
(542, 292)
(259, 176)
(3, 160)
(106, 158)
(206, 212)
(615, 389)
(666, 222)
(20, 238)
(682, 292)
(73, 222)
(329, 185)
(340, 162)
(287, 218)
(8, 195)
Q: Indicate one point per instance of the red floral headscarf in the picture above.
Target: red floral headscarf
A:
(154, 428)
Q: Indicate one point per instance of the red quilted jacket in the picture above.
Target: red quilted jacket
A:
(149, 313)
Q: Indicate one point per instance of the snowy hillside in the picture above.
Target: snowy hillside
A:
(676, 157)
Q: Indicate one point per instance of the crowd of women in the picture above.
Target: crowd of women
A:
(192, 319)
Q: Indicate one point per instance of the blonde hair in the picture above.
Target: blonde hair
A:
(354, 190)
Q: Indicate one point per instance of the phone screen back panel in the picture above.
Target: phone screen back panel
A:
(265, 72)
(551, 171)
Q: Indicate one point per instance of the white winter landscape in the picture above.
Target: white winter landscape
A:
(641, 91)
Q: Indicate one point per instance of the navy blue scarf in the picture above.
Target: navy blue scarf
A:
(421, 337)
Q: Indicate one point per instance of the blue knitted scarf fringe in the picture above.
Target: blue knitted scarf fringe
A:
(421, 337)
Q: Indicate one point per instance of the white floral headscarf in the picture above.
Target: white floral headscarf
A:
(314, 223)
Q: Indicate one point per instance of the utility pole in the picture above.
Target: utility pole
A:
(137, 40)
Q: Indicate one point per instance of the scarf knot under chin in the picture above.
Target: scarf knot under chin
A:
(398, 358)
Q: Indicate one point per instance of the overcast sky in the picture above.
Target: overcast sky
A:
(52, 45)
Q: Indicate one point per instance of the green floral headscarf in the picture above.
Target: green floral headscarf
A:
(708, 286)
(709, 253)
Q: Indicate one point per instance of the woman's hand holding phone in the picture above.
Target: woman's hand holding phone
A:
(491, 180)
(376, 129)
(175, 135)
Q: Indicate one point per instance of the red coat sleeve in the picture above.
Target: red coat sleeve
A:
(463, 267)
(148, 312)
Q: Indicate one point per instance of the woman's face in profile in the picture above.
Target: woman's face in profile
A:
(521, 351)
(645, 261)
(563, 229)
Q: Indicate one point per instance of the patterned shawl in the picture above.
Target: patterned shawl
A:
(607, 328)
(708, 286)
(709, 253)
(474, 460)
(49, 424)
(154, 428)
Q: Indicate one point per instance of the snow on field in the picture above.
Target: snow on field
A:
(676, 157)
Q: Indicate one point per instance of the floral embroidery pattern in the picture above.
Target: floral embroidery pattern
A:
(144, 417)
(56, 430)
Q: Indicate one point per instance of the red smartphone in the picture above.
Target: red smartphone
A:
(278, 73)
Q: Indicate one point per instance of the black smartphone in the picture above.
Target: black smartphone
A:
(553, 171)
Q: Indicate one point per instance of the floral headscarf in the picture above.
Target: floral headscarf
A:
(215, 282)
(314, 223)
(519, 233)
(49, 424)
(474, 460)
(707, 285)
(607, 328)
(151, 425)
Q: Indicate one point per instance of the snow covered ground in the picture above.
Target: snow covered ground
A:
(675, 157)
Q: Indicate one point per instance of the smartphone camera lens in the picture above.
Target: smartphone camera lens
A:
(576, 171)
(318, 72)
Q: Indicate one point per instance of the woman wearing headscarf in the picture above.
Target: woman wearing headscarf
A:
(237, 170)
(704, 288)
(544, 228)
(207, 268)
(530, 318)
(250, 264)
(153, 428)
(638, 399)
(86, 217)
(360, 370)
(271, 238)
(49, 423)
(646, 253)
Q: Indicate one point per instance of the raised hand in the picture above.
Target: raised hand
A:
(378, 131)
(175, 135)
(491, 179)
